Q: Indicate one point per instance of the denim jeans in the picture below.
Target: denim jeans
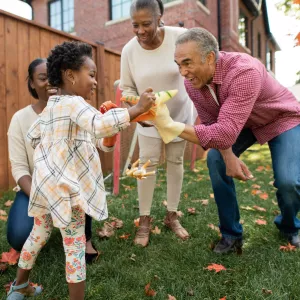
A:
(19, 224)
(285, 154)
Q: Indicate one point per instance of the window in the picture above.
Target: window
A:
(243, 29)
(259, 45)
(167, 1)
(119, 9)
(269, 60)
(203, 2)
(61, 15)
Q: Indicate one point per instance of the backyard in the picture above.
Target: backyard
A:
(174, 268)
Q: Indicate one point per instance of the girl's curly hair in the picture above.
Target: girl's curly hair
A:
(68, 55)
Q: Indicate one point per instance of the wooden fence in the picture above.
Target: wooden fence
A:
(21, 41)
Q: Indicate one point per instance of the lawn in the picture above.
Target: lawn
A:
(171, 266)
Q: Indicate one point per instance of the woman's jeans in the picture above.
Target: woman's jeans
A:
(285, 154)
(19, 224)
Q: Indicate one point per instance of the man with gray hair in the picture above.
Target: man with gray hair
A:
(239, 104)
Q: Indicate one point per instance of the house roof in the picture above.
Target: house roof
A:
(257, 6)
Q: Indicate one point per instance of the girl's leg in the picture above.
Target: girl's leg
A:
(74, 245)
(150, 148)
(38, 237)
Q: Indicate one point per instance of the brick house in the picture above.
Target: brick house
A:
(239, 25)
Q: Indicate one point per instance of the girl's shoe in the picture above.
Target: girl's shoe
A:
(14, 295)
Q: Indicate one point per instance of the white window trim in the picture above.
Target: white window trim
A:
(203, 7)
(167, 5)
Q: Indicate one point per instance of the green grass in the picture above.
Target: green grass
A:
(172, 266)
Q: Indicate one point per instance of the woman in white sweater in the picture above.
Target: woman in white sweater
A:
(19, 224)
(148, 60)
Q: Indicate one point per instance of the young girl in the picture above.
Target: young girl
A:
(67, 180)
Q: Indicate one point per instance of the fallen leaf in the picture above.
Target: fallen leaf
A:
(123, 206)
(247, 208)
(264, 196)
(215, 267)
(261, 222)
(287, 248)
(3, 212)
(242, 222)
(128, 187)
(196, 170)
(186, 196)
(191, 210)
(213, 227)
(156, 230)
(3, 267)
(211, 196)
(106, 231)
(260, 168)
(204, 202)
(116, 223)
(268, 168)
(10, 257)
(259, 208)
(124, 236)
(136, 222)
(190, 292)
(158, 184)
(267, 292)
(3, 218)
(255, 186)
(276, 212)
(125, 196)
(165, 203)
(179, 213)
(255, 192)
(224, 298)
(132, 257)
(271, 182)
(8, 203)
(148, 291)
(274, 202)
(170, 297)
(7, 286)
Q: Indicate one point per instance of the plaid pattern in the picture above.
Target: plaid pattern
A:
(67, 168)
(248, 97)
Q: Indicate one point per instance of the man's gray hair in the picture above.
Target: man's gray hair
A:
(205, 41)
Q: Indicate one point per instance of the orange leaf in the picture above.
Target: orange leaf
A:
(215, 267)
(296, 1)
(259, 208)
(3, 212)
(255, 192)
(10, 257)
(204, 202)
(186, 195)
(224, 298)
(212, 196)
(261, 222)
(116, 223)
(124, 236)
(165, 203)
(191, 210)
(8, 203)
(179, 213)
(136, 222)
(260, 168)
(170, 297)
(297, 38)
(3, 218)
(264, 196)
(287, 248)
(148, 291)
(128, 187)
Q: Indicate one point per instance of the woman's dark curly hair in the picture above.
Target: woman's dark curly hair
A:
(31, 69)
(68, 55)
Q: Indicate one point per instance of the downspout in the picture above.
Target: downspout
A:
(219, 24)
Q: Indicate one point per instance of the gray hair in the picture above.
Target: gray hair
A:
(205, 41)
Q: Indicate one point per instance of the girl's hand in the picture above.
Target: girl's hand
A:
(147, 100)
(109, 141)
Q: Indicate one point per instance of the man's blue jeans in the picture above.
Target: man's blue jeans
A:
(19, 224)
(285, 153)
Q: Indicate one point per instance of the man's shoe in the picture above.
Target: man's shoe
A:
(226, 245)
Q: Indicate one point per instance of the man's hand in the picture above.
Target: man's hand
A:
(235, 167)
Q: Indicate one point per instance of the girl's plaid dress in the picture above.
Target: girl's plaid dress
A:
(67, 169)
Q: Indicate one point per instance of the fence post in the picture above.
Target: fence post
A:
(117, 152)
